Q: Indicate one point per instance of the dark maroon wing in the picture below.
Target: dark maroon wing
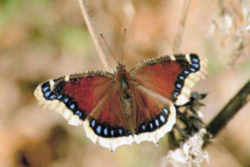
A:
(171, 76)
(74, 95)
(155, 115)
(92, 100)
(108, 125)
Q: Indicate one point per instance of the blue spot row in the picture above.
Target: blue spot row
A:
(70, 104)
(191, 68)
(52, 95)
(155, 123)
(106, 130)
(47, 93)
(195, 63)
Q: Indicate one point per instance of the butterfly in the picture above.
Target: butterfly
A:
(126, 106)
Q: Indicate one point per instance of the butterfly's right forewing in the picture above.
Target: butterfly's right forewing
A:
(171, 76)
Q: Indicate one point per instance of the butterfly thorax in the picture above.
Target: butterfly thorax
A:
(122, 77)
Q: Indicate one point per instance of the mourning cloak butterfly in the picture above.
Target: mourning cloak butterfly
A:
(125, 107)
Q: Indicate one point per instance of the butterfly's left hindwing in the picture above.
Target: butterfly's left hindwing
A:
(171, 76)
(108, 125)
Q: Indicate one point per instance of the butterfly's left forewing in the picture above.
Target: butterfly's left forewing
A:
(74, 96)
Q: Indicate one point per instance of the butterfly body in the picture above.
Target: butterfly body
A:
(128, 105)
(122, 78)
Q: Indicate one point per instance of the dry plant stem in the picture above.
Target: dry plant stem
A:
(226, 114)
(230, 109)
(179, 35)
(94, 35)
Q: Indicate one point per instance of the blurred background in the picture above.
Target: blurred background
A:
(43, 39)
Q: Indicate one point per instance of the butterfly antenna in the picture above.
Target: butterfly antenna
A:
(108, 47)
(94, 36)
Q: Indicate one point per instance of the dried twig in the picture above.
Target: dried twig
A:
(179, 36)
(94, 35)
(230, 109)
